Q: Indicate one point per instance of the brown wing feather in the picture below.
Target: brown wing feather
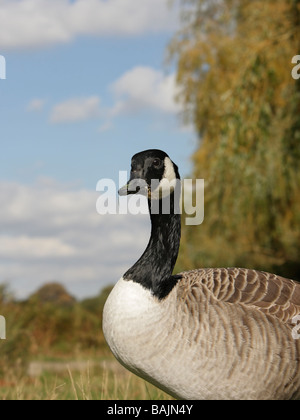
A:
(269, 293)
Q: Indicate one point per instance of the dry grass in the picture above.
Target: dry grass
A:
(105, 380)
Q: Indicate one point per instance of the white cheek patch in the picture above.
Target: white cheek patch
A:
(167, 184)
(169, 173)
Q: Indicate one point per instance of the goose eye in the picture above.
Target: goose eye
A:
(156, 162)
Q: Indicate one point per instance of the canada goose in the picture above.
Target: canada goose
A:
(203, 334)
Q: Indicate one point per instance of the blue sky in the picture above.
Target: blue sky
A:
(86, 88)
(83, 69)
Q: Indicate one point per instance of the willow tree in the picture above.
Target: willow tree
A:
(234, 63)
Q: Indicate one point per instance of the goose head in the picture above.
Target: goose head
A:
(152, 174)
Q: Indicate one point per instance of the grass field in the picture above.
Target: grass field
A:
(101, 380)
(55, 350)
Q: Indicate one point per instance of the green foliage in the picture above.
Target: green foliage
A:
(49, 330)
(234, 68)
(53, 292)
(51, 323)
(93, 304)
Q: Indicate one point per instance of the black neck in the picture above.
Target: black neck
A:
(154, 269)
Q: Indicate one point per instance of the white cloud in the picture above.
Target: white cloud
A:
(76, 109)
(106, 126)
(138, 90)
(35, 23)
(145, 88)
(34, 247)
(53, 232)
(36, 105)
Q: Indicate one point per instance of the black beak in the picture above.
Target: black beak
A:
(134, 186)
